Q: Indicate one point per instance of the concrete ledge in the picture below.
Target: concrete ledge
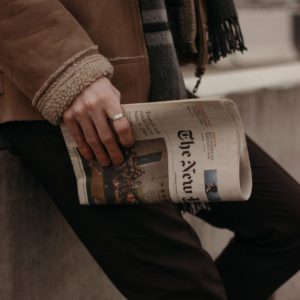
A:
(41, 258)
(223, 83)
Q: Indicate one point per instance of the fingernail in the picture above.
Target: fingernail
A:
(105, 164)
(89, 157)
(129, 145)
(118, 161)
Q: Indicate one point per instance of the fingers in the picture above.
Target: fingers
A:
(124, 132)
(107, 137)
(91, 136)
(87, 120)
(122, 126)
(79, 138)
(92, 139)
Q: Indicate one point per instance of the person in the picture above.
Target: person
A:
(76, 61)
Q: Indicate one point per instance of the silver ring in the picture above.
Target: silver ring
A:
(117, 117)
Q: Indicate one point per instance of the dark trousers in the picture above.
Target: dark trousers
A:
(151, 252)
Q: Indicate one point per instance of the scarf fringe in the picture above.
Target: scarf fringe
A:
(225, 38)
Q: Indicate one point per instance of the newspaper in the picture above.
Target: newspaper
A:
(186, 151)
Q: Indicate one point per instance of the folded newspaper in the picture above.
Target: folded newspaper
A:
(186, 151)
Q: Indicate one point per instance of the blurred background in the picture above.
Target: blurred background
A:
(271, 31)
(265, 84)
(41, 258)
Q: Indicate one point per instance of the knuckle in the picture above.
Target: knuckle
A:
(93, 142)
(105, 162)
(84, 150)
(107, 138)
(87, 94)
(123, 130)
(128, 143)
(108, 96)
(80, 143)
(87, 154)
(90, 104)
(117, 158)
(103, 158)
(115, 153)
(68, 117)
(78, 111)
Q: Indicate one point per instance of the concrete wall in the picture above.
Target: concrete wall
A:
(40, 256)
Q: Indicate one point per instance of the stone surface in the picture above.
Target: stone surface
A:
(41, 258)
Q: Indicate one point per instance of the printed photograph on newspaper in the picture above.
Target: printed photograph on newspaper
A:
(143, 177)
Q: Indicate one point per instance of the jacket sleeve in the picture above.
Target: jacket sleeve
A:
(47, 54)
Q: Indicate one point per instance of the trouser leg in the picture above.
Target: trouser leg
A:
(148, 251)
(265, 251)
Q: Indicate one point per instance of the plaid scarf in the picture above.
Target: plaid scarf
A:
(166, 78)
(186, 18)
(159, 16)
(183, 20)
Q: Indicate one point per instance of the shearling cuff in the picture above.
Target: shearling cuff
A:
(62, 88)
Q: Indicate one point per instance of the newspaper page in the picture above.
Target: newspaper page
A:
(186, 151)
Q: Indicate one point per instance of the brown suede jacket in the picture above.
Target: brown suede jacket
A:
(51, 50)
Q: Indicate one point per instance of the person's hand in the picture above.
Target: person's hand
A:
(87, 121)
